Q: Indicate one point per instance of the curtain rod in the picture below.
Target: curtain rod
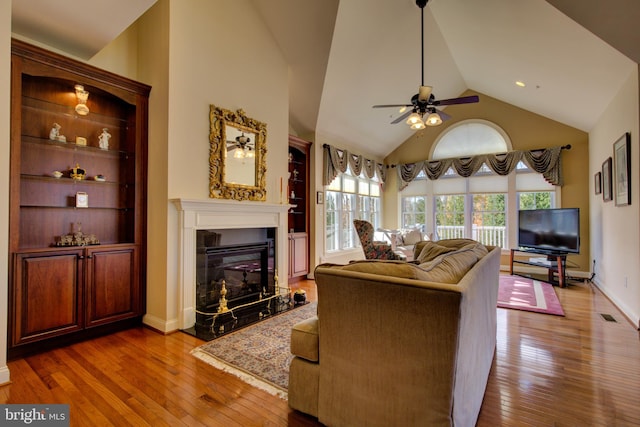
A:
(564, 147)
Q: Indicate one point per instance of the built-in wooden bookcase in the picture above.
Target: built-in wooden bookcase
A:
(299, 150)
(77, 241)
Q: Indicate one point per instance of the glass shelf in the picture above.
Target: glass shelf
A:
(72, 146)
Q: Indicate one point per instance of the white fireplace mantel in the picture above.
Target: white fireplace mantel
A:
(223, 214)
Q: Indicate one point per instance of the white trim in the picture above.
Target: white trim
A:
(5, 375)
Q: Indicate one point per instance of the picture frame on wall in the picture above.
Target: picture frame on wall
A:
(606, 180)
(622, 169)
(597, 181)
(320, 197)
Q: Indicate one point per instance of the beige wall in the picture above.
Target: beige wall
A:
(193, 55)
(526, 131)
(209, 62)
(615, 231)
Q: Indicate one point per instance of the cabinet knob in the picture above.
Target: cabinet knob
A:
(80, 256)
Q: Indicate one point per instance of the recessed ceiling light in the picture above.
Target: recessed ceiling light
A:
(519, 83)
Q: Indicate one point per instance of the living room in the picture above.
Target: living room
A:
(194, 57)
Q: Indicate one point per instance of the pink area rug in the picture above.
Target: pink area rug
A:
(521, 293)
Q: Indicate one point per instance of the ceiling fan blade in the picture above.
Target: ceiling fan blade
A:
(461, 100)
(392, 105)
(402, 117)
(444, 116)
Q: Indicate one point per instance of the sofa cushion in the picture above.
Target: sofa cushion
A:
(401, 269)
(430, 250)
(304, 339)
(450, 267)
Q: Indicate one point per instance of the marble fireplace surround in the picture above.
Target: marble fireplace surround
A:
(222, 214)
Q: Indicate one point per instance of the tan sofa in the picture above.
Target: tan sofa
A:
(390, 346)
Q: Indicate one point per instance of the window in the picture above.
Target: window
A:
(347, 198)
(449, 216)
(483, 207)
(489, 219)
(536, 200)
(413, 212)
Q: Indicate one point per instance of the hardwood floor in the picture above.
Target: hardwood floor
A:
(578, 370)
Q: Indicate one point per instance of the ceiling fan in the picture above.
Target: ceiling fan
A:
(243, 147)
(424, 101)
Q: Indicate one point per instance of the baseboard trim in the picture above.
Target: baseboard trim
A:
(160, 325)
(5, 375)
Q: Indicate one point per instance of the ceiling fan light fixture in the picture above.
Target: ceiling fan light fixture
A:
(433, 119)
(414, 118)
(417, 126)
(424, 92)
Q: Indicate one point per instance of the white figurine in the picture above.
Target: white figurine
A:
(55, 133)
(103, 140)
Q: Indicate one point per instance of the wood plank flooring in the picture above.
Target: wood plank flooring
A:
(578, 370)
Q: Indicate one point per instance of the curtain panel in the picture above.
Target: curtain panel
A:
(337, 161)
(545, 161)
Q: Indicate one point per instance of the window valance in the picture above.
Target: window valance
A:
(336, 160)
(545, 161)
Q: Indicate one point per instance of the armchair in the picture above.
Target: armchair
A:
(372, 249)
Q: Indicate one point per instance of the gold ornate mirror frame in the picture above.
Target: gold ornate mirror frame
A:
(247, 185)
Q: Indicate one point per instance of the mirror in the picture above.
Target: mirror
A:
(237, 158)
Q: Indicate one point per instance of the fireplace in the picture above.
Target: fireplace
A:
(236, 282)
(236, 242)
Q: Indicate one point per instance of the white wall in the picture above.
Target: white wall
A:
(5, 90)
(615, 231)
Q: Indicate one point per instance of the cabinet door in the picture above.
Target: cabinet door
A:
(47, 295)
(113, 285)
(298, 257)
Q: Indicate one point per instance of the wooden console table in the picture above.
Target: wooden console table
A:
(555, 263)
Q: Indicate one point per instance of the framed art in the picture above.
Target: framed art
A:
(606, 180)
(622, 168)
(320, 197)
(597, 181)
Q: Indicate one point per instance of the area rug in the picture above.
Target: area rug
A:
(526, 294)
(258, 354)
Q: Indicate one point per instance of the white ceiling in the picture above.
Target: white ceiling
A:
(346, 56)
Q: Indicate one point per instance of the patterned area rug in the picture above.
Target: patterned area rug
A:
(258, 354)
(526, 294)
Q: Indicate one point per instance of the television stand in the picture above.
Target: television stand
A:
(554, 263)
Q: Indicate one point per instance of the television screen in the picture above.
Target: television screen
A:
(550, 230)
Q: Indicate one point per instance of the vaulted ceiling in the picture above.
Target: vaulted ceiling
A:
(346, 56)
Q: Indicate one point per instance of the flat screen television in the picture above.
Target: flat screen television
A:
(550, 231)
